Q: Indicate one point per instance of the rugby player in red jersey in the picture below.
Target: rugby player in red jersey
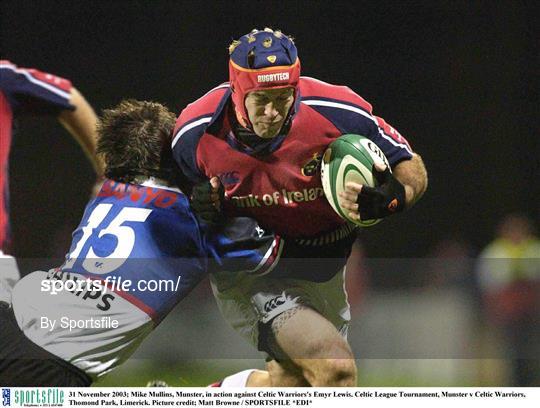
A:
(25, 91)
(259, 139)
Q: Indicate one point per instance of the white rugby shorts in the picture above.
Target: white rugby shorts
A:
(245, 301)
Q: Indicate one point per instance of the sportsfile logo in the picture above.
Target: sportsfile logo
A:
(6, 397)
(280, 76)
(44, 397)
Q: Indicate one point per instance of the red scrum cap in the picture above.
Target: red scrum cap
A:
(261, 60)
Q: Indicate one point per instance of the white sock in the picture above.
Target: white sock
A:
(237, 380)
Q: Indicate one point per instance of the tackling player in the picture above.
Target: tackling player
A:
(72, 324)
(263, 134)
(25, 91)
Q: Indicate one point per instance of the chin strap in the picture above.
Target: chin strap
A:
(242, 121)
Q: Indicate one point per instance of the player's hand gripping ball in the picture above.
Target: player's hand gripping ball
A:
(355, 158)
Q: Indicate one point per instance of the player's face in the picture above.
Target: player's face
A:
(268, 109)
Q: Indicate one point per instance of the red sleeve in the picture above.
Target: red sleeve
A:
(350, 113)
(32, 91)
(190, 127)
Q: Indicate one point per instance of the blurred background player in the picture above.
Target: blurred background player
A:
(139, 228)
(509, 278)
(25, 91)
(272, 126)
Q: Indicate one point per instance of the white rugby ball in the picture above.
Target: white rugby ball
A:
(349, 158)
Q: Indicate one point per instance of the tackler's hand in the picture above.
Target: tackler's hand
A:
(366, 203)
(207, 199)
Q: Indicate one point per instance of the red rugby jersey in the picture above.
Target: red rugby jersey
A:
(24, 91)
(282, 189)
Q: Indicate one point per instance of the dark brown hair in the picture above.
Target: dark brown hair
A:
(134, 140)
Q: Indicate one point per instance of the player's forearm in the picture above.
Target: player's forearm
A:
(413, 175)
(81, 124)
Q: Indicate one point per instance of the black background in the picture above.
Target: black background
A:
(458, 79)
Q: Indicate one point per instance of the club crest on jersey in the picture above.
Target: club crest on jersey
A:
(267, 42)
(271, 58)
(310, 168)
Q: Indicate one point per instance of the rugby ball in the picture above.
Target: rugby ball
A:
(349, 158)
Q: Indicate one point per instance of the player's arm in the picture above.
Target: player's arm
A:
(81, 124)
(398, 189)
(33, 92)
(412, 174)
(241, 245)
(407, 166)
